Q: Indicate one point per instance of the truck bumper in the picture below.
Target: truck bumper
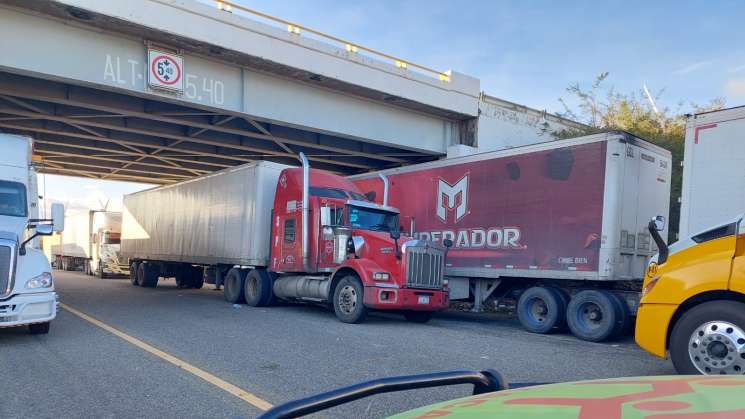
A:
(25, 309)
(652, 323)
(386, 298)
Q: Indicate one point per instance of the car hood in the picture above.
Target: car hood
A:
(635, 397)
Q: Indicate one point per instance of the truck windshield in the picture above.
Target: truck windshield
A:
(12, 199)
(372, 219)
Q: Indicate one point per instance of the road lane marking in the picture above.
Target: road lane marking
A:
(204, 375)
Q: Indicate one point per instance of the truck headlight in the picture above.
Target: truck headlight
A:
(40, 281)
(381, 276)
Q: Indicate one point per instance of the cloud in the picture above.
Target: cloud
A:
(735, 89)
(691, 68)
(737, 69)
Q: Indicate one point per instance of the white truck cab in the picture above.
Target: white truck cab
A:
(27, 296)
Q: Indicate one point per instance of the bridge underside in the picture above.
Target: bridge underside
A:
(82, 131)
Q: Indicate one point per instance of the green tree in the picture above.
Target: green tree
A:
(601, 108)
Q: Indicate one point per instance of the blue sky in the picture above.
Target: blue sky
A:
(529, 51)
(525, 51)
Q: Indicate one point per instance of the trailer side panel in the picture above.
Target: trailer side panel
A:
(223, 218)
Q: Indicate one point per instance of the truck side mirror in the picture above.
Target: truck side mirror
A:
(395, 234)
(658, 222)
(58, 217)
(44, 229)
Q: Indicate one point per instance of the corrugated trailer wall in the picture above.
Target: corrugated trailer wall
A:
(219, 218)
(545, 210)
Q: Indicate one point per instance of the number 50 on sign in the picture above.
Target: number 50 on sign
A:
(165, 71)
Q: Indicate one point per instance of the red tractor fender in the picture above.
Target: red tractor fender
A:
(363, 268)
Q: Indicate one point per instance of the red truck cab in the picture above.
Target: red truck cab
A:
(349, 251)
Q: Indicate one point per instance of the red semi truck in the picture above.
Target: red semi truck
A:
(558, 226)
(274, 231)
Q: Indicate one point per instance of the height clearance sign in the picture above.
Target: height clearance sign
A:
(165, 71)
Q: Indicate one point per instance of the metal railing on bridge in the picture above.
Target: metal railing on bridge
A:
(350, 47)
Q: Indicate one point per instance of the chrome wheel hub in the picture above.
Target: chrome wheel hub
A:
(348, 299)
(718, 347)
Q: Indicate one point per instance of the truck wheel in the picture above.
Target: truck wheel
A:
(197, 278)
(149, 275)
(624, 317)
(184, 277)
(710, 339)
(418, 316)
(593, 315)
(234, 284)
(257, 289)
(39, 328)
(541, 309)
(141, 273)
(133, 268)
(348, 301)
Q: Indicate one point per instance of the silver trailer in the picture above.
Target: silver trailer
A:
(91, 243)
(223, 218)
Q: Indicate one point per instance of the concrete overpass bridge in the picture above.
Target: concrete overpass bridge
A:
(77, 76)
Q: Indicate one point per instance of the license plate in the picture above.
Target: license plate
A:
(423, 299)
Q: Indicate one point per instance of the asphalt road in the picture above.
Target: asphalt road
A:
(277, 354)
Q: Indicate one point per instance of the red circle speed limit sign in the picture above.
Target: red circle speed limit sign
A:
(165, 70)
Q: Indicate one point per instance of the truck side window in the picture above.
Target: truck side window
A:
(337, 216)
(289, 231)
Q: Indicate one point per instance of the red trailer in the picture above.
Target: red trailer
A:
(559, 226)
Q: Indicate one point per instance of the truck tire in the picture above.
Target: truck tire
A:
(149, 275)
(593, 315)
(541, 309)
(184, 278)
(39, 328)
(141, 273)
(624, 323)
(234, 284)
(257, 289)
(197, 277)
(709, 338)
(348, 300)
(133, 268)
(418, 316)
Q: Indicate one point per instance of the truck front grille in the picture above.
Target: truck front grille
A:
(425, 266)
(6, 268)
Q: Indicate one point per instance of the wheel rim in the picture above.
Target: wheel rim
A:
(718, 347)
(537, 310)
(590, 316)
(347, 299)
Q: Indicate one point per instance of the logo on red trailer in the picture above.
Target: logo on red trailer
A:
(447, 198)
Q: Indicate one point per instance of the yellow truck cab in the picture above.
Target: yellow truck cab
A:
(693, 300)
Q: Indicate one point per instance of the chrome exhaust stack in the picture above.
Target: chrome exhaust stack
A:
(384, 178)
(305, 209)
